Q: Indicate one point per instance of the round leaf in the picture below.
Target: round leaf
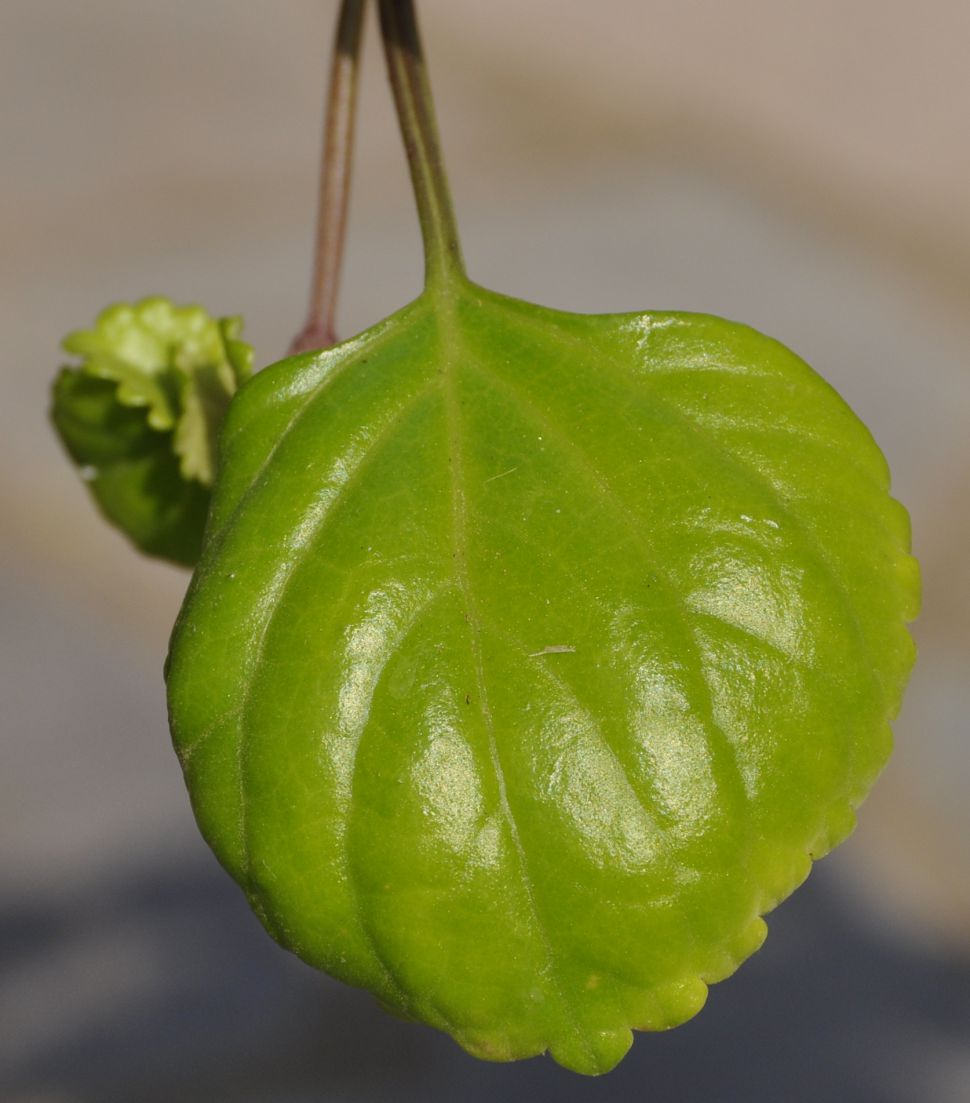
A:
(532, 657)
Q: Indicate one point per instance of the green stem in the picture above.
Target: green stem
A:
(408, 75)
(335, 173)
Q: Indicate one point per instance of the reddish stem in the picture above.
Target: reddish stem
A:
(335, 173)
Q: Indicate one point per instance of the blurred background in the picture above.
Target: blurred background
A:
(801, 166)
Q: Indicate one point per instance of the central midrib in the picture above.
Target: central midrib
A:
(451, 351)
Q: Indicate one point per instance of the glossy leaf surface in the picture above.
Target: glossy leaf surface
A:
(532, 657)
(142, 413)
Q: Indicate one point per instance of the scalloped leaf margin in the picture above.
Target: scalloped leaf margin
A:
(570, 641)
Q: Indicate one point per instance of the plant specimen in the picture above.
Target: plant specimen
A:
(530, 657)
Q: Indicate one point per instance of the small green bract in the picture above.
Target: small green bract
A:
(141, 417)
(532, 657)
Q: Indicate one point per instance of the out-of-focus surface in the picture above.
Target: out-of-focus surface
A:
(799, 166)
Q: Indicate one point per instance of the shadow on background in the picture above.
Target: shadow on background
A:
(206, 1008)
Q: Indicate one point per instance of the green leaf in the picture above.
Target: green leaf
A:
(142, 413)
(532, 657)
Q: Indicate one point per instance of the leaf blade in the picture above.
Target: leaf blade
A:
(530, 631)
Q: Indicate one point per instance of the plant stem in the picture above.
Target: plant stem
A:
(335, 173)
(408, 75)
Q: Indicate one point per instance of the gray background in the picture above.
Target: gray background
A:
(799, 166)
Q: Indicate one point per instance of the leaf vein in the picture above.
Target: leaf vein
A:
(303, 408)
(353, 872)
(271, 603)
(590, 470)
(463, 581)
(748, 470)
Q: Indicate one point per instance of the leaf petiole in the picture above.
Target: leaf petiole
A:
(335, 174)
(413, 101)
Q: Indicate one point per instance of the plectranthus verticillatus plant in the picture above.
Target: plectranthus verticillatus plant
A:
(529, 657)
